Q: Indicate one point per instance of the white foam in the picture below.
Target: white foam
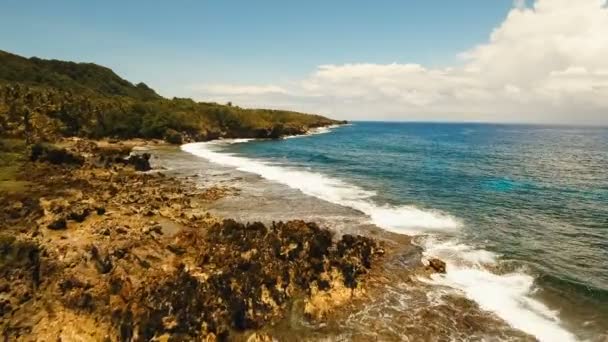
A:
(465, 255)
(508, 295)
(399, 219)
(230, 141)
(315, 131)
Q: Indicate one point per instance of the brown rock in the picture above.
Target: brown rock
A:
(102, 260)
(437, 265)
(58, 224)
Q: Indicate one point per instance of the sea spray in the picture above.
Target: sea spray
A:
(507, 295)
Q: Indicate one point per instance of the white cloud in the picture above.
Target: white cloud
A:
(545, 63)
(233, 89)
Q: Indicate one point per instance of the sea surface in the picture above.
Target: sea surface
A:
(518, 212)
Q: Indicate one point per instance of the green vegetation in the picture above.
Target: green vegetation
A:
(41, 100)
(11, 159)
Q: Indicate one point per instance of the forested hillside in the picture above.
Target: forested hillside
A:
(41, 100)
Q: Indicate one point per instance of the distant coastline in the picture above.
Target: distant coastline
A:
(43, 100)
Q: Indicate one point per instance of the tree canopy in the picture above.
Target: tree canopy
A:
(42, 99)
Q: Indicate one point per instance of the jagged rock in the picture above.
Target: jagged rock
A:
(58, 224)
(80, 214)
(437, 265)
(176, 249)
(244, 277)
(75, 293)
(21, 270)
(53, 155)
(200, 279)
(102, 260)
(113, 157)
(141, 162)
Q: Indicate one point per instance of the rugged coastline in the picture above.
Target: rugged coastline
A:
(402, 303)
(97, 250)
(97, 243)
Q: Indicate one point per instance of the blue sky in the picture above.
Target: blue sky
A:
(171, 44)
(533, 61)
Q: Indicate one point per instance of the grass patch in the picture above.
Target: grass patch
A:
(12, 158)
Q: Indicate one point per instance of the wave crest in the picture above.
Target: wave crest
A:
(399, 219)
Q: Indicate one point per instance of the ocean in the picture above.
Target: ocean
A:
(518, 212)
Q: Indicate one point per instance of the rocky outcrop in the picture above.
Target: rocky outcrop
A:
(174, 137)
(437, 265)
(243, 277)
(141, 162)
(104, 252)
(53, 155)
(20, 273)
(272, 132)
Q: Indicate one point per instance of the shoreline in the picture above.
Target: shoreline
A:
(260, 198)
(400, 265)
(553, 328)
(97, 250)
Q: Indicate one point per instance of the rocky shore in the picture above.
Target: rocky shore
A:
(97, 249)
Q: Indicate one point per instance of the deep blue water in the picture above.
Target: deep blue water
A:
(536, 195)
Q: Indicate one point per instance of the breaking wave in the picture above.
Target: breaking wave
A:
(507, 295)
(399, 219)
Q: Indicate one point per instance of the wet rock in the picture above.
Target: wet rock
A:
(437, 265)
(356, 254)
(141, 162)
(122, 157)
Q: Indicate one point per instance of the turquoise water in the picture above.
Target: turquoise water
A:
(522, 200)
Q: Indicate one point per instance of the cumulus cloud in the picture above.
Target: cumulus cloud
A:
(544, 63)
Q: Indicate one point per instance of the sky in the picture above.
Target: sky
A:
(535, 61)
